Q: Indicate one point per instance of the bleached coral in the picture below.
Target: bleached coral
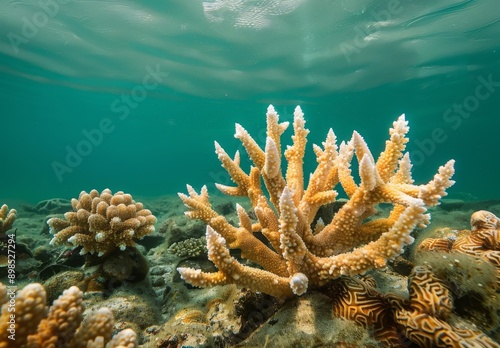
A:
(296, 257)
(102, 223)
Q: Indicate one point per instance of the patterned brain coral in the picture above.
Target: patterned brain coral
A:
(482, 241)
(424, 318)
(35, 326)
(101, 223)
(297, 255)
(358, 300)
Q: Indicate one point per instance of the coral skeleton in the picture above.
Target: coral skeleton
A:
(102, 223)
(299, 254)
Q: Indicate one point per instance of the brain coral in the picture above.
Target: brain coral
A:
(101, 223)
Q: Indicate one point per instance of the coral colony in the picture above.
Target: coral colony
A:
(299, 257)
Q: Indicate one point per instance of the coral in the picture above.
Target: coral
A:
(483, 240)
(3, 294)
(124, 339)
(100, 324)
(7, 218)
(424, 318)
(34, 325)
(30, 309)
(102, 223)
(470, 263)
(357, 300)
(191, 247)
(63, 319)
(295, 255)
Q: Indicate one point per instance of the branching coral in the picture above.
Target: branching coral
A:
(102, 223)
(296, 256)
(34, 325)
(7, 218)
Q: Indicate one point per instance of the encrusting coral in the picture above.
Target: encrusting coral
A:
(34, 325)
(357, 299)
(424, 318)
(102, 223)
(7, 218)
(298, 256)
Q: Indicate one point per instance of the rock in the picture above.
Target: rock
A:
(125, 266)
(55, 285)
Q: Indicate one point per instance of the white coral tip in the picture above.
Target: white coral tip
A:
(299, 283)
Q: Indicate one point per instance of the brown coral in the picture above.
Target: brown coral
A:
(31, 327)
(358, 300)
(424, 317)
(482, 241)
(102, 223)
(295, 256)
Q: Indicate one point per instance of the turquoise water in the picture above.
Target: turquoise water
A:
(131, 95)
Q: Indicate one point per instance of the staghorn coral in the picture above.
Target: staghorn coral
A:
(34, 325)
(296, 256)
(7, 218)
(102, 223)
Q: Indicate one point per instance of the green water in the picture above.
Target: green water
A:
(131, 96)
